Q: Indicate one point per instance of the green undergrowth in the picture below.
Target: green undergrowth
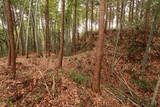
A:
(144, 84)
(140, 82)
(49, 74)
(80, 78)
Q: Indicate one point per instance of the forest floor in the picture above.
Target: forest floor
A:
(35, 86)
(36, 83)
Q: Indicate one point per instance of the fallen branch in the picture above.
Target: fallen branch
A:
(155, 93)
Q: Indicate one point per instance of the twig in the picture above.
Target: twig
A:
(114, 95)
(155, 93)
(46, 84)
(53, 85)
(122, 94)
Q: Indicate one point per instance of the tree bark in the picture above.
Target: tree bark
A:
(132, 12)
(122, 15)
(28, 24)
(36, 30)
(117, 14)
(75, 27)
(47, 29)
(130, 8)
(33, 28)
(106, 22)
(99, 48)
(60, 58)
(87, 17)
(110, 12)
(10, 27)
(92, 12)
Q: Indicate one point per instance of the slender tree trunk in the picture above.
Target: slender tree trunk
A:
(60, 58)
(4, 30)
(92, 12)
(110, 12)
(36, 30)
(130, 8)
(132, 12)
(107, 14)
(10, 27)
(28, 23)
(87, 17)
(117, 14)
(33, 28)
(18, 35)
(47, 48)
(136, 12)
(147, 12)
(75, 27)
(9, 53)
(121, 19)
(99, 48)
(141, 10)
(15, 26)
(112, 21)
(20, 42)
(149, 42)
(21, 34)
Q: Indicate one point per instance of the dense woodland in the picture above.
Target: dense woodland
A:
(79, 53)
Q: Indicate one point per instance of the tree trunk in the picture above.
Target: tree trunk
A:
(132, 12)
(27, 31)
(130, 8)
(75, 27)
(87, 18)
(33, 29)
(136, 12)
(99, 48)
(60, 58)
(92, 12)
(47, 48)
(121, 19)
(110, 12)
(36, 30)
(10, 27)
(22, 38)
(117, 14)
(147, 14)
(141, 10)
(14, 25)
(106, 22)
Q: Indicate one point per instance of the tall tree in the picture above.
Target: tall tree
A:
(28, 27)
(47, 47)
(87, 5)
(60, 58)
(75, 26)
(117, 14)
(132, 10)
(99, 47)
(122, 15)
(92, 13)
(10, 27)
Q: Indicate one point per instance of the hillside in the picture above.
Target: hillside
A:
(79, 53)
(36, 83)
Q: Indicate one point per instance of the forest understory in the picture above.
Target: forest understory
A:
(79, 53)
(37, 83)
